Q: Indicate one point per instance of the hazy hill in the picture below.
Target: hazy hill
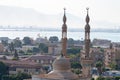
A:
(26, 16)
(30, 17)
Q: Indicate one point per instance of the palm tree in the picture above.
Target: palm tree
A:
(99, 65)
(11, 47)
(16, 57)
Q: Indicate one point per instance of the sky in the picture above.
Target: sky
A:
(101, 10)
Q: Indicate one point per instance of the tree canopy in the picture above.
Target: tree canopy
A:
(11, 47)
(76, 65)
(73, 50)
(16, 57)
(17, 43)
(3, 69)
(70, 41)
(43, 47)
(99, 65)
(27, 41)
(5, 42)
(53, 39)
(19, 76)
(35, 50)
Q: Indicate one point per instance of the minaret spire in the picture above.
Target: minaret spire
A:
(87, 17)
(87, 35)
(64, 35)
(64, 17)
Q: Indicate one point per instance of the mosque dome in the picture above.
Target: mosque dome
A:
(62, 70)
(61, 63)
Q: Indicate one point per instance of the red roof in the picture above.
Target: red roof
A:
(21, 64)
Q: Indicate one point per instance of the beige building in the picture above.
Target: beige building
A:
(103, 43)
(109, 56)
(54, 49)
(117, 57)
(27, 47)
(97, 54)
(41, 40)
(22, 66)
(44, 60)
(51, 49)
(1, 48)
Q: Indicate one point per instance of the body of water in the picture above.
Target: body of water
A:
(114, 37)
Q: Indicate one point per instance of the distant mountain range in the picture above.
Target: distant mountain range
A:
(17, 16)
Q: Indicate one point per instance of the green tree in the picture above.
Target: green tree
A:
(100, 78)
(76, 65)
(43, 48)
(17, 43)
(22, 76)
(99, 65)
(19, 76)
(29, 51)
(27, 41)
(35, 50)
(3, 69)
(5, 42)
(16, 57)
(73, 50)
(70, 41)
(117, 78)
(21, 52)
(53, 39)
(105, 78)
(92, 79)
(9, 77)
(112, 65)
(11, 47)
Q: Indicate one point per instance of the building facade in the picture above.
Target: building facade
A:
(23, 67)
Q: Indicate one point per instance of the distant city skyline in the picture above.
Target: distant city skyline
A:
(100, 10)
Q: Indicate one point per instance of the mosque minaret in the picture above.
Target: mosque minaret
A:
(61, 65)
(86, 60)
(64, 35)
(87, 36)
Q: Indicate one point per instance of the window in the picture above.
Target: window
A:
(25, 70)
(42, 61)
(12, 69)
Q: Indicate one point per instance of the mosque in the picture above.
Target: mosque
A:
(61, 66)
